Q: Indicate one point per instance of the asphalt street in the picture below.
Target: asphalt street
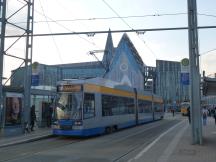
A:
(123, 145)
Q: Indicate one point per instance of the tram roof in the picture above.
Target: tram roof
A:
(103, 82)
(96, 81)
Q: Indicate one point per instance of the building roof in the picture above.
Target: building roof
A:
(167, 61)
(92, 64)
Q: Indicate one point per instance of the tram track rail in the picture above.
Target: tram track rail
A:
(133, 132)
(150, 136)
(46, 144)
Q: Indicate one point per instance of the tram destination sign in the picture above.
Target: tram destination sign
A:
(69, 88)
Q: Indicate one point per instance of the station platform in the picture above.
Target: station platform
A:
(37, 134)
(182, 149)
(175, 145)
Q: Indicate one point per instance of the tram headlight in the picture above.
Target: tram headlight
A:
(78, 122)
(56, 126)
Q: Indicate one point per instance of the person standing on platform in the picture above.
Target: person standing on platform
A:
(33, 117)
(214, 115)
(204, 116)
(49, 115)
(173, 112)
(188, 114)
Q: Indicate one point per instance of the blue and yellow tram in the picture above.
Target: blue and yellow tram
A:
(96, 106)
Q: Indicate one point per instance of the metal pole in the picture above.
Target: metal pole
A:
(28, 62)
(194, 73)
(3, 25)
(113, 31)
(153, 110)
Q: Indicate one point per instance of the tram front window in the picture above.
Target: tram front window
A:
(69, 106)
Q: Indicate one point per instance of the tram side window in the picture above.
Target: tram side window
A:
(158, 107)
(116, 105)
(145, 106)
(89, 106)
(129, 106)
(107, 104)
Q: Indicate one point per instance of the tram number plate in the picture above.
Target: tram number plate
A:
(66, 127)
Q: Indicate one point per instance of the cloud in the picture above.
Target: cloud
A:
(207, 63)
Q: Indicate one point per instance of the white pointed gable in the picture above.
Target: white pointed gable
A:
(126, 65)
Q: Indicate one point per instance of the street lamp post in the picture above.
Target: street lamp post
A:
(194, 73)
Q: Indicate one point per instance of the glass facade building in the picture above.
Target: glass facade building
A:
(48, 75)
(168, 82)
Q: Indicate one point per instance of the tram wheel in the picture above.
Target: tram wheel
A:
(108, 130)
(114, 128)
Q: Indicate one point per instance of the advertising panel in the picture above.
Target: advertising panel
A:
(185, 78)
(13, 108)
(35, 74)
(35, 80)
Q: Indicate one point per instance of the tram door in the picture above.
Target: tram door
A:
(136, 107)
(46, 116)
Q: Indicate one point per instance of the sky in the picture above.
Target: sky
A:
(56, 16)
